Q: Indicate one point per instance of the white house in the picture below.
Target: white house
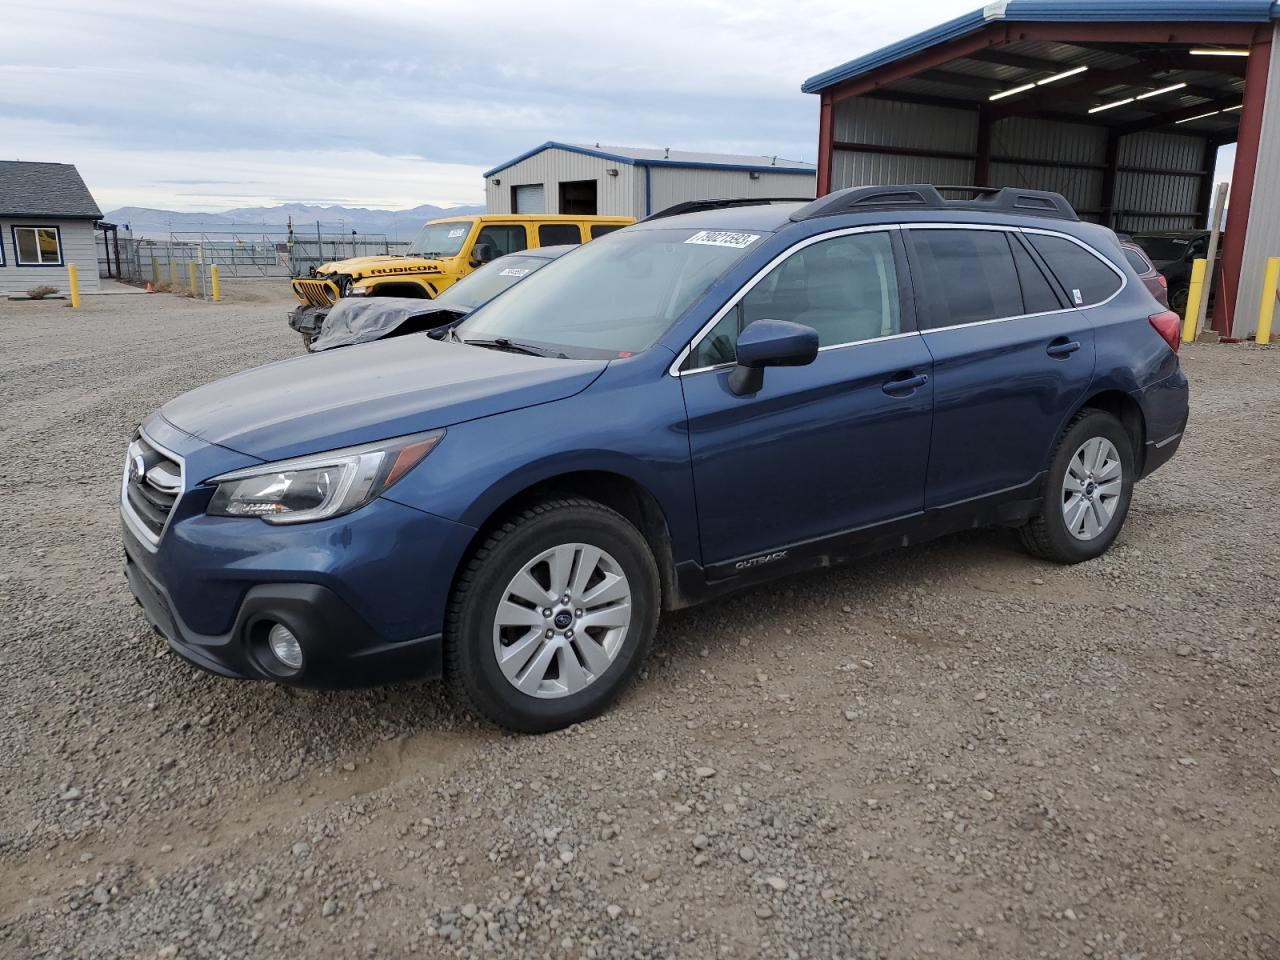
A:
(46, 222)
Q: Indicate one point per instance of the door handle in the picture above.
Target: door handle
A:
(904, 384)
(1062, 347)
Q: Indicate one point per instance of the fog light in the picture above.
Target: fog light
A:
(285, 646)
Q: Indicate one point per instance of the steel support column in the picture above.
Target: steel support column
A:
(1242, 175)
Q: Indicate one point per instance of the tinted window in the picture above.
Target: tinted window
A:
(1086, 278)
(1038, 295)
(553, 234)
(846, 288)
(504, 239)
(600, 229)
(1136, 260)
(966, 276)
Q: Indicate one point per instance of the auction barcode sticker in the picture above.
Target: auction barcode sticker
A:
(514, 272)
(724, 238)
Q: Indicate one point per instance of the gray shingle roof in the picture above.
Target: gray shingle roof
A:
(44, 190)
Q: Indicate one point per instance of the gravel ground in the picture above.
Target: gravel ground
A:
(951, 751)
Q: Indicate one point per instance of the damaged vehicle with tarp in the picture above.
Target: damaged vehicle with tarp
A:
(355, 320)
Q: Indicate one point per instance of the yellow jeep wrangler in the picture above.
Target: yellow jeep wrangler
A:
(444, 252)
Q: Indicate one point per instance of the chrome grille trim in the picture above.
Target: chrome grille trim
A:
(164, 475)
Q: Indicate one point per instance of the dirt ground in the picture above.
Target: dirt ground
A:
(950, 751)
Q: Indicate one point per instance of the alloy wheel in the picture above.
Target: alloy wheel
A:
(562, 620)
(1091, 488)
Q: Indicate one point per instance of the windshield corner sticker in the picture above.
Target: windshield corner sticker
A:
(454, 234)
(514, 272)
(724, 238)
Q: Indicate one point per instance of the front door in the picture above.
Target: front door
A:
(822, 449)
(1011, 359)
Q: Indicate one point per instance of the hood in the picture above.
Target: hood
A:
(369, 392)
(380, 266)
(361, 319)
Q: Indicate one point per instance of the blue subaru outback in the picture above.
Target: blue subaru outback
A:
(724, 393)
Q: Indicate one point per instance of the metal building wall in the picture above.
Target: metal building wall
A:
(1052, 144)
(615, 196)
(886, 123)
(671, 185)
(1147, 190)
(1263, 237)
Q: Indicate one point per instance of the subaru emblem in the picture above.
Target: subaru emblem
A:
(137, 468)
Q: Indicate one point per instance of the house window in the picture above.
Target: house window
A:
(37, 246)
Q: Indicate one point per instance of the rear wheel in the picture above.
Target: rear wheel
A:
(552, 616)
(1086, 491)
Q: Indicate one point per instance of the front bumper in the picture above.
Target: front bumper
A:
(308, 320)
(365, 594)
(340, 649)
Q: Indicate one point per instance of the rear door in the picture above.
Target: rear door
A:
(826, 448)
(1010, 357)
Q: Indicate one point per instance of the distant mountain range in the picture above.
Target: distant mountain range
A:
(393, 224)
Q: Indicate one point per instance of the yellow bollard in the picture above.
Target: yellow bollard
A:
(191, 276)
(173, 272)
(1267, 309)
(73, 281)
(1194, 292)
(213, 282)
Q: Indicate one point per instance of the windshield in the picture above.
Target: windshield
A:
(489, 281)
(1164, 248)
(440, 239)
(616, 295)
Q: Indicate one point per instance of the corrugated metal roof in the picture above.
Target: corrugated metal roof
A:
(661, 157)
(29, 189)
(1064, 11)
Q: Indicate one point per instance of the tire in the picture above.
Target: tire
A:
(554, 691)
(1178, 300)
(1091, 434)
(307, 340)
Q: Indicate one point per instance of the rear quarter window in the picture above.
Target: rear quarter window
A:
(1085, 277)
(1136, 260)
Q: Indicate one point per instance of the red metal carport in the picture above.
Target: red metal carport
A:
(1119, 105)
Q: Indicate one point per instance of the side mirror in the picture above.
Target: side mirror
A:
(481, 253)
(770, 343)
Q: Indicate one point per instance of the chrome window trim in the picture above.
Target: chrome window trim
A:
(131, 519)
(747, 287)
(675, 370)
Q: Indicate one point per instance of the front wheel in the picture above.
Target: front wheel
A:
(552, 615)
(1086, 492)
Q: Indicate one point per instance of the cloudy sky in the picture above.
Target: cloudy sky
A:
(388, 103)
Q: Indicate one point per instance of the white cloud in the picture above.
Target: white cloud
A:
(384, 103)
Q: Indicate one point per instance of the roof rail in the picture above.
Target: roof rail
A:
(926, 196)
(695, 206)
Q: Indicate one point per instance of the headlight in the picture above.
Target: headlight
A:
(320, 486)
(354, 291)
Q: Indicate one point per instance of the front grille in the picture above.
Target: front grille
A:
(152, 486)
(316, 293)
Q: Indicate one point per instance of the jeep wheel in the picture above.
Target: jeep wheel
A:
(552, 616)
(307, 340)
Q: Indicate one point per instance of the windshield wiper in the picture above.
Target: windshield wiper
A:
(502, 343)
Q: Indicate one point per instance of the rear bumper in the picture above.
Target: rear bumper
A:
(1165, 410)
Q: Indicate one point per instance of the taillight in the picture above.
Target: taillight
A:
(1169, 325)
(1162, 280)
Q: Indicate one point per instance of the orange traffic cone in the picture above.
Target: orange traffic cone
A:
(149, 290)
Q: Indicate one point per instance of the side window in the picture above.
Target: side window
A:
(965, 276)
(504, 238)
(1086, 278)
(846, 288)
(554, 234)
(600, 229)
(1136, 260)
(1038, 295)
